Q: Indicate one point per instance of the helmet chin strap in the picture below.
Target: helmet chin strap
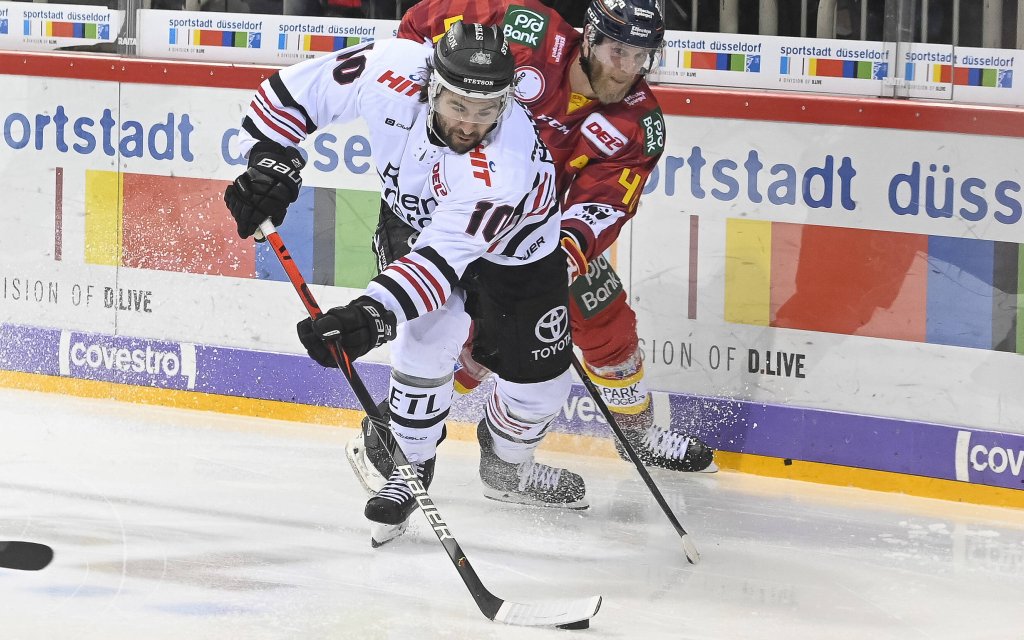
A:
(588, 70)
(432, 131)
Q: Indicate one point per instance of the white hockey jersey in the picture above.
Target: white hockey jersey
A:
(496, 202)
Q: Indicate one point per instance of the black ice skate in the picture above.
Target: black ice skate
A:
(370, 456)
(528, 482)
(660, 447)
(389, 510)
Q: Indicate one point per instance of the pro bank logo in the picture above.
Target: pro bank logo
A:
(125, 360)
(987, 460)
(525, 26)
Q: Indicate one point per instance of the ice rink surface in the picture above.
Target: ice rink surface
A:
(180, 524)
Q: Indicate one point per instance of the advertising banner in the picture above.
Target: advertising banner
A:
(927, 450)
(775, 62)
(31, 26)
(869, 270)
(253, 38)
(963, 74)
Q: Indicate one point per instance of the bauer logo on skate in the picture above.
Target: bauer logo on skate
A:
(127, 360)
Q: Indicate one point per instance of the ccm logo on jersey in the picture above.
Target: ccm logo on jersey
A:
(478, 159)
(437, 182)
(605, 137)
(401, 84)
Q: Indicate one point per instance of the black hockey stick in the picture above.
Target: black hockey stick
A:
(689, 548)
(574, 613)
(24, 556)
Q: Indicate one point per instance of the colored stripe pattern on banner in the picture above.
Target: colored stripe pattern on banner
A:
(833, 68)
(214, 38)
(710, 61)
(901, 286)
(307, 42)
(63, 29)
(961, 76)
(180, 224)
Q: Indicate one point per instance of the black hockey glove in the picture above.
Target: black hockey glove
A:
(358, 327)
(267, 187)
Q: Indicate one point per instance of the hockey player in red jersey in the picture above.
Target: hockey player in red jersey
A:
(604, 128)
(468, 233)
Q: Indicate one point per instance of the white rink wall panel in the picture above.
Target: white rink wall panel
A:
(903, 192)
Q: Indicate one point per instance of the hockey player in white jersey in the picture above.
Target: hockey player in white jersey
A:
(469, 232)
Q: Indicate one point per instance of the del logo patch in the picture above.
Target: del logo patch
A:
(603, 134)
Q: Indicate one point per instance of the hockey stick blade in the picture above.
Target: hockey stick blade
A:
(551, 613)
(689, 548)
(24, 556)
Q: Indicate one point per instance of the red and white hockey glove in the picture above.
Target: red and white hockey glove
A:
(576, 260)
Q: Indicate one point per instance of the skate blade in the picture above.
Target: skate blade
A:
(371, 480)
(381, 534)
(711, 468)
(515, 498)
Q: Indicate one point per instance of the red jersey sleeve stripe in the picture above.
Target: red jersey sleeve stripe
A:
(442, 293)
(281, 112)
(395, 267)
(282, 132)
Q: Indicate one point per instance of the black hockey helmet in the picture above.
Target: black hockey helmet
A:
(474, 61)
(638, 23)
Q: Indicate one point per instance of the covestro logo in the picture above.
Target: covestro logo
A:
(977, 459)
(120, 360)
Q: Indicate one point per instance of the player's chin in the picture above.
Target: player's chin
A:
(462, 145)
(612, 93)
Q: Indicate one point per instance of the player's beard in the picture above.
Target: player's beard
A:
(458, 138)
(609, 86)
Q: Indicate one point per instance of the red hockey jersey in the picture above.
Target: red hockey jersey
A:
(603, 153)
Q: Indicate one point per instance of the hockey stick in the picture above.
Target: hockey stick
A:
(24, 556)
(574, 613)
(689, 548)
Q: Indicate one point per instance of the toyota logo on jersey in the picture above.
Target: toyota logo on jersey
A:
(553, 331)
(552, 325)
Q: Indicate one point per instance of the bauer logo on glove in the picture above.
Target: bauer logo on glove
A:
(267, 188)
(359, 327)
